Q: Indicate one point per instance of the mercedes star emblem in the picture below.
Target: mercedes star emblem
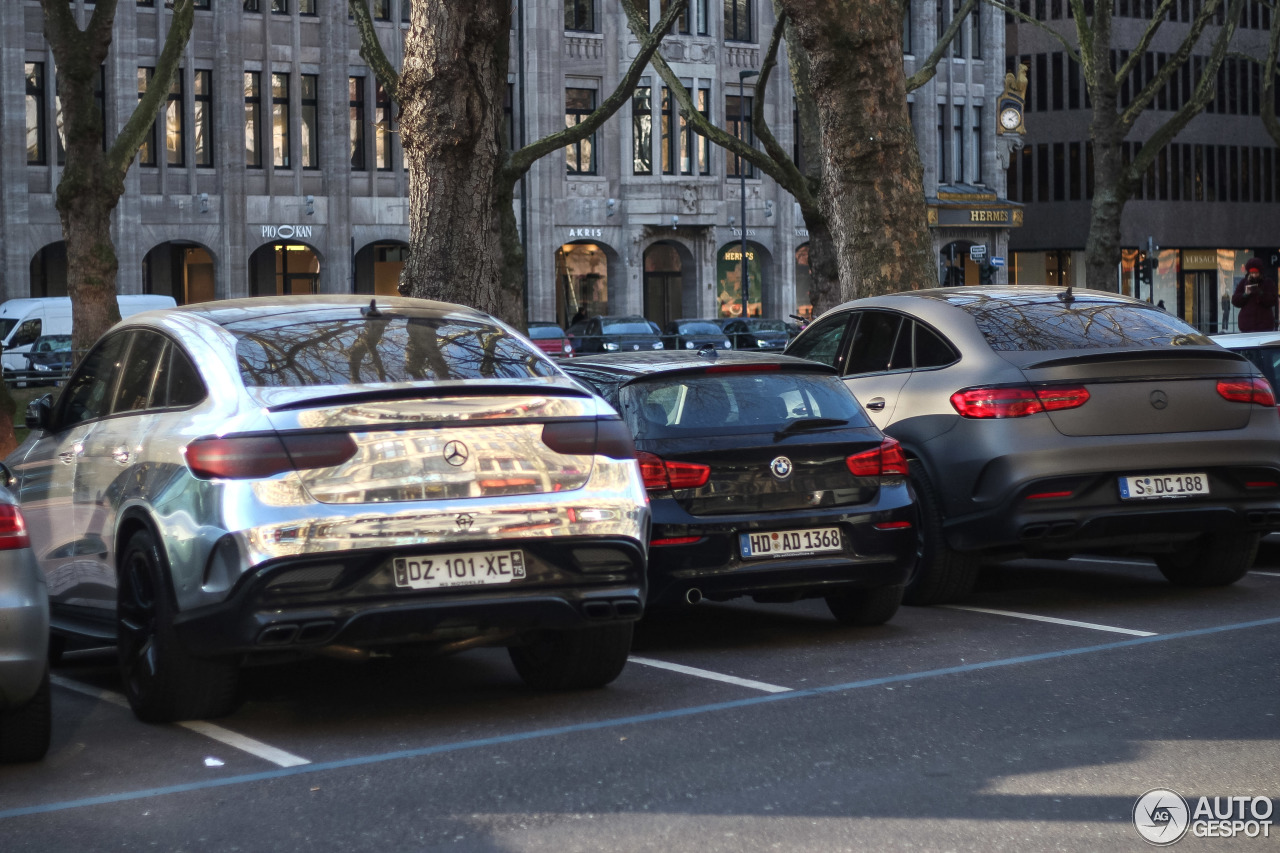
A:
(455, 453)
(1159, 400)
(781, 467)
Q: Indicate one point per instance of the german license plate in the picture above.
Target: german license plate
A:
(476, 568)
(790, 543)
(1163, 486)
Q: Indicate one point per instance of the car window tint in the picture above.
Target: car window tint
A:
(931, 349)
(146, 352)
(822, 341)
(874, 341)
(177, 385)
(1012, 325)
(26, 334)
(700, 329)
(88, 391)
(383, 349)
(633, 326)
(702, 404)
(1266, 359)
(545, 333)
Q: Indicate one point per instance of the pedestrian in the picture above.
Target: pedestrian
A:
(579, 316)
(1255, 297)
(1160, 305)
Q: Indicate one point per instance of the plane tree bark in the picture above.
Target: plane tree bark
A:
(92, 180)
(464, 245)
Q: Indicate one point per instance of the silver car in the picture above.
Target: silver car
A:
(24, 641)
(270, 477)
(1045, 422)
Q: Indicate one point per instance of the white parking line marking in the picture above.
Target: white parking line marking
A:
(1268, 574)
(1054, 620)
(278, 757)
(714, 676)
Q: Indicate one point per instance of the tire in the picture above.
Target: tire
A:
(24, 731)
(942, 574)
(863, 607)
(1215, 559)
(162, 681)
(574, 659)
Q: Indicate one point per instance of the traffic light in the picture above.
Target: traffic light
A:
(1144, 270)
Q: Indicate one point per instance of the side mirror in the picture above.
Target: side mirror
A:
(40, 412)
(6, 477)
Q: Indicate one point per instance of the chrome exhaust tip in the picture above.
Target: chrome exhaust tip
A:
(693, 596)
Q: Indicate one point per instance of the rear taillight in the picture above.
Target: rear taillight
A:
(13, 529)
(252, 457)
(884, 461)
(1017, 401)
(662, 474)
(604, 437)
(1252, 390)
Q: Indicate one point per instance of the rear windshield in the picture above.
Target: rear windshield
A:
(383, 350)
(700, 329)
(1011, 326)
(627, 327)
(716, 404)
(543, 333)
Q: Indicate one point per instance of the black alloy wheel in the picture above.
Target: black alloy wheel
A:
(942, 574)
(574, 659)
(1215, 559)
(161, 680)
(865, 607)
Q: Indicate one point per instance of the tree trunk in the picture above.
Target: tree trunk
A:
(87, 194)
(8, 408)
(1111, 191)
(872, 192)
(452, 88)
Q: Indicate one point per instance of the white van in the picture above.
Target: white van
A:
(24, 320)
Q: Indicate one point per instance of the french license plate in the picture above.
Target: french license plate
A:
(790, 543)
(1163, 486)
(476, 568)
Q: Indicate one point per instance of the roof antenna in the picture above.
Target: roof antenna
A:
(1066, 296)
(708, 351)
(372, 310)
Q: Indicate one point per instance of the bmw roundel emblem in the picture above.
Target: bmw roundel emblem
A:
(781, 467)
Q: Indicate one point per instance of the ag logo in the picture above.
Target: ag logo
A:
(781, 467)
(455, 453)
(1161, 816)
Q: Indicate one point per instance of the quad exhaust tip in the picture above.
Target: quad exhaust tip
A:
(693, 596)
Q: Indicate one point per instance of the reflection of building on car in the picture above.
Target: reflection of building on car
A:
(25, 718)
(50, 357)
(276, 477)
(765, 479)
(1035, 420)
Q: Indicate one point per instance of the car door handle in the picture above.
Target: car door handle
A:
(121, 455)
(876, 404)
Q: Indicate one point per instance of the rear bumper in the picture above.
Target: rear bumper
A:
(24, 628)
(273, 609)
(714, 565)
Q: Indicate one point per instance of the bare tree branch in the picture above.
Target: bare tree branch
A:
(1023, 16)
(371, 50)
(131, 136)
(789, 178)
(926, 71)
(1149, 33)
(758, 124)
(1143, 99)
(521, 160)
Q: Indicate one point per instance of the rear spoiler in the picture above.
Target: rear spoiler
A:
(736, 367)
(1106, 355)
(431, 392)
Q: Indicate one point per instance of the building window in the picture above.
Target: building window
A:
(37, 155)
(252, 119)
(382, 10)
(308, 7)
(642, 131)
(580, 15)
(203, 102)
(681, 25)
(669, 120)
(280, 121)
(252, 6)
(308, 83)
(703, 144)
(942, 144)
(975, 33)
(957, 141)
(509, 116)
(580, 156)
(355, 95)
(147, 151)
(737, 20)
(174, 131)
(976, 172)
(406, 11)
(737, 119)
(382, 131)
(279, 7)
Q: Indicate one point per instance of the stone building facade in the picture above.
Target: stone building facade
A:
(275, 166)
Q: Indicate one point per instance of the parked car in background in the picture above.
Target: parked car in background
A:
(613, 333)
(765, 478)
(1261, 348)
(551, 339)
(25, 709)
(23, 321)
(756, 333)
(693, 334)
(49, 359)
(270, 477)
(1042, 421)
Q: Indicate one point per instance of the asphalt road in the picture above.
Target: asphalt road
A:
(736, 727)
